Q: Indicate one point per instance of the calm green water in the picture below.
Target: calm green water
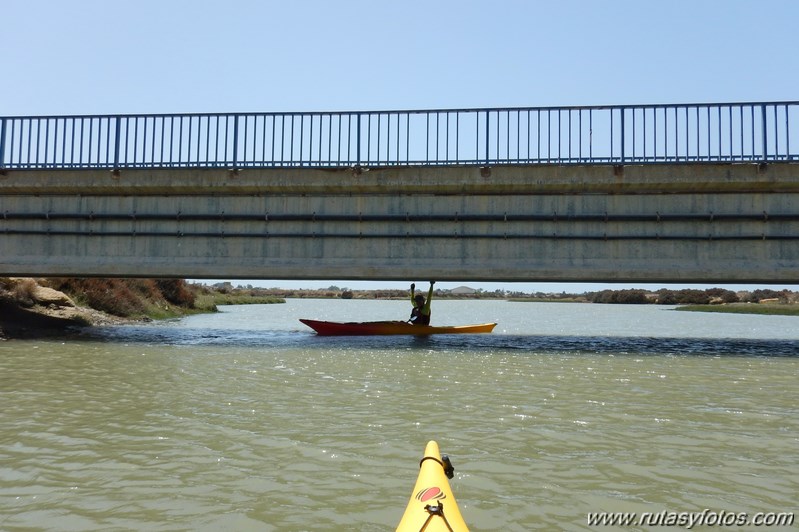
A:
(245, 420)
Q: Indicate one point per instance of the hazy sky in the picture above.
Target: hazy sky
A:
(121, 56)
(165, 56)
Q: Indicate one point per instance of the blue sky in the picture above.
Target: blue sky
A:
(137, 56)
(99, 56)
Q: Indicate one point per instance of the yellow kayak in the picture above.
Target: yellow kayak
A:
(432, 505)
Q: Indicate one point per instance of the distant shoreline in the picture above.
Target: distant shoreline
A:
(770, 309)
(42, 307)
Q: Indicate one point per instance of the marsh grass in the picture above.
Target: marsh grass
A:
(207, 302)
(775, 309)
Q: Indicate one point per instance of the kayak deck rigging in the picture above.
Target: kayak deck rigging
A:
(432, 505)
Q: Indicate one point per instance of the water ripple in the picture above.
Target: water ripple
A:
(165, 335)
(177, 427)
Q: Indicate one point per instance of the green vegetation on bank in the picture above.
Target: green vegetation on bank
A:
(128, 298)
(208, 301)
(36, 307)
(773, 309)
(761, 301)
(550, 299)
(665, 296)
(139, 298)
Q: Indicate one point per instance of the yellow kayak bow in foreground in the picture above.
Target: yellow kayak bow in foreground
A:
(432, 506)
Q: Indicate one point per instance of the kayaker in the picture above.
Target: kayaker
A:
(420, 315)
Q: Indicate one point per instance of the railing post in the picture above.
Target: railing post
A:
(358, 140)
(765, 132)
(117, 137)
(623, 140)
(2, 142)
(787, 134)
(488, 134)
(236, 141)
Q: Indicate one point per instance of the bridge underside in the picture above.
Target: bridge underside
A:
(709, 223)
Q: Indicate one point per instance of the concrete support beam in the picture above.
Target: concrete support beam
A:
(710, 223)
(464, 180)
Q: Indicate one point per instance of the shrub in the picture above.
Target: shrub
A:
(726, 296)
(176, 292)
(632, 296)
(23, 292)
(113, 296)
(765, 293)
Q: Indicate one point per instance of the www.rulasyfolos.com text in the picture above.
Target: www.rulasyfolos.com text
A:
(689, 520)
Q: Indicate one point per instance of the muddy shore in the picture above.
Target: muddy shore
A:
(29, 310)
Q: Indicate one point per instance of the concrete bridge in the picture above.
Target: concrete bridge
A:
(679, 193)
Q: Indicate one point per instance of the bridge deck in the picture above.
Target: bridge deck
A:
(686, 192)
(661, 223)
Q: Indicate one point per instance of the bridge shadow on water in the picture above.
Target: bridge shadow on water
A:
(477, 343)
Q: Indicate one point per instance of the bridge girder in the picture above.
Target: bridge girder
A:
(709, 223)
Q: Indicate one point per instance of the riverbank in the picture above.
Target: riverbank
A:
(770, 309)
(28, 309)
(31, 308)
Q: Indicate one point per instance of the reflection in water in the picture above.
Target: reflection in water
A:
(533, 343)
(246, 421)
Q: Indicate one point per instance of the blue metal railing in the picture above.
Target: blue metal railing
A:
(637, 134)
